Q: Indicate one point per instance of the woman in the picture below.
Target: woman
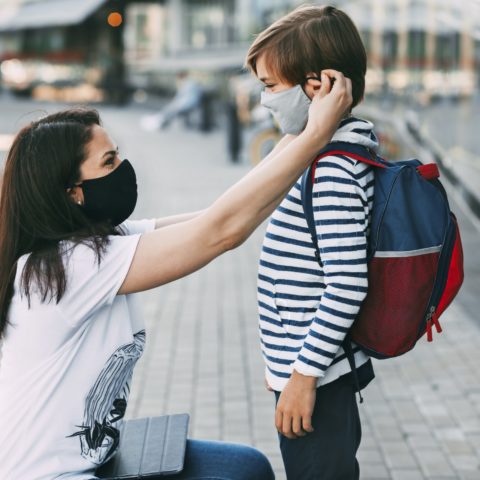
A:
(69, 264)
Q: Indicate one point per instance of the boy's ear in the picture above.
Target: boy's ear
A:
(313, 79)
(312, 84)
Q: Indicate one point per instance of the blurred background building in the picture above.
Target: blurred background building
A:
(423, 97)
(50, 48)
(424, 47)
(429, 46)
(89, 46)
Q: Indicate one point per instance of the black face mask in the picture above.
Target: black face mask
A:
(112, 197)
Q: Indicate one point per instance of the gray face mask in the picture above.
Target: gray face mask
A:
(289, 108)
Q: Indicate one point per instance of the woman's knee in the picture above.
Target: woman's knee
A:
(256, 465)
(227, 461)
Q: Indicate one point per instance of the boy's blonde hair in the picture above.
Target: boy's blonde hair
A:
(311, 39)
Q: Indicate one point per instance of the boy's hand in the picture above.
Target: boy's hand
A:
(330, 103)
(267, 386)
(293, 416)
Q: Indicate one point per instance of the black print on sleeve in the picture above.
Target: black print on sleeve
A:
(107, 401)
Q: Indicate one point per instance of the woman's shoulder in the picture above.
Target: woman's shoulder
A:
(85, 257)
(95, 249)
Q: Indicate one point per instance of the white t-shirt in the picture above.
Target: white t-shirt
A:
(66, 368)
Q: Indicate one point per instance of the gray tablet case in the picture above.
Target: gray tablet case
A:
(149, 447)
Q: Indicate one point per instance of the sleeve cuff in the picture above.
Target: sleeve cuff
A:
(134, 227)
(308, 369)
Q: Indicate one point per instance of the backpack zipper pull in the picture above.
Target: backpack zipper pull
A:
(429, 331)
(436, 322)
(429, 323)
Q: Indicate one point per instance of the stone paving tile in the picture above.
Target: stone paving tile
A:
(421, 414)
(202, 348)
(434, 464)
(465, 462)
(468, 475)
(417, 441)
(405, 474)
(370, 455)
(374, 472)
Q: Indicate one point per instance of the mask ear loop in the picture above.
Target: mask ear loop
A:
(306, 80)
(332, 80)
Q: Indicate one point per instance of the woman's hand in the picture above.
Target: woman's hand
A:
(329, 103)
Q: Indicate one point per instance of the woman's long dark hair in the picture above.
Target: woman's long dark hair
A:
(36, 211)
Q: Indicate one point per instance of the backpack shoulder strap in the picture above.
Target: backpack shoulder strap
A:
(357, 152)
(363, 155)
(352, 150)
(307, 182)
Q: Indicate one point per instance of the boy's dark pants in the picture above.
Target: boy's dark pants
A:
(329, 452)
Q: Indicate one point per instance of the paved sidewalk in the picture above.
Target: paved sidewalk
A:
(421, 417)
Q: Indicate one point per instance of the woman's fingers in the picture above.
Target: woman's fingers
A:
(325, 87)
(337, 84)
(349, 89)
(330, 104)
(340, 87)
(337, 77)
(340, 82)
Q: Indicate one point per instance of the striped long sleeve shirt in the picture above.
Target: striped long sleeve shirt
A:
(306, 310)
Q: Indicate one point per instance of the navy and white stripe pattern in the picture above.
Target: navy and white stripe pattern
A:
(305, 311)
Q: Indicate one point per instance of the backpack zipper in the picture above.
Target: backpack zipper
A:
(373, 244)
(432, 318)
(439, 284)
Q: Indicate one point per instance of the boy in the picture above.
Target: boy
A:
(306, 309)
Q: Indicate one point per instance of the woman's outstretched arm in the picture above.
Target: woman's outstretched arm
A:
(183, 217)
(177, 250)
(179, 218)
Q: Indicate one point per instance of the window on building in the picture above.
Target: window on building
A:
(389, 48)
(209, 23)
(477, 54)
(416, 48)
(10, 44)
(447, 50)
(42, 41)
(145, 32)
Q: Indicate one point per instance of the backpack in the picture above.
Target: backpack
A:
(415, 257)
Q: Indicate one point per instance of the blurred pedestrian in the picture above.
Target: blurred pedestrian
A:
(188, 99)
(306, 307)
(70, 263)
(234, 130)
